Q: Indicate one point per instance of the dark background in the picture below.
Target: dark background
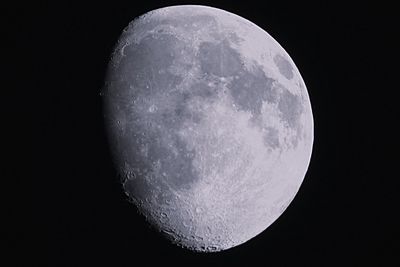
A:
(345, 213)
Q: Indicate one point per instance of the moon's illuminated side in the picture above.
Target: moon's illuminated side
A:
(210, 124)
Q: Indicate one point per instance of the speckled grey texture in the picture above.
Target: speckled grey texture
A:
(210, 125)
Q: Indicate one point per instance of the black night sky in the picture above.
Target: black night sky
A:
(346, 212)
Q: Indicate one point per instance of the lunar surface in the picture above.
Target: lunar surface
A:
(210, 125)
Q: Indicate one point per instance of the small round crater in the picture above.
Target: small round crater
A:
(212, 248)
(130, 175)
(152, 108)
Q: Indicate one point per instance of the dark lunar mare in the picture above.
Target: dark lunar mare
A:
(250, 88)
(143, 140)
(284, 67)
(247, 88)
(143, 77)
(149, 101)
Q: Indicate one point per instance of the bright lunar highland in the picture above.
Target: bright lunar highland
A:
(209, 122)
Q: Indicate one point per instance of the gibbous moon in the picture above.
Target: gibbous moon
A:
(209, 122)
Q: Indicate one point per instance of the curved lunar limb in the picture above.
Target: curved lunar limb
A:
(210, 125)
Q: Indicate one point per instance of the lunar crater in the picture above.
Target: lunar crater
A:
(207, 135)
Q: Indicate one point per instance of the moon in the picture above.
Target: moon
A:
(209, 122)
